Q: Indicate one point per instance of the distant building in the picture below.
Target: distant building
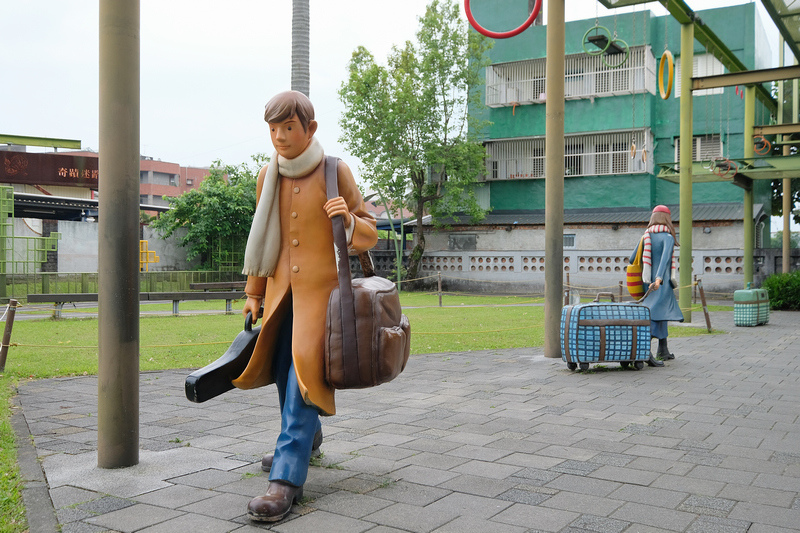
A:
(72, 178)
(619, 135)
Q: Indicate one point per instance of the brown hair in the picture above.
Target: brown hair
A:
(287, 104)
(662, 217)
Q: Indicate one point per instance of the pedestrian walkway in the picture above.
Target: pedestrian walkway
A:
(494, 441)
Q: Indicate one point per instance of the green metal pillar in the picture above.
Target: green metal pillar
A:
(118, 225)
(554, 184)
(786, 245)
(685, 159)
(749, 152)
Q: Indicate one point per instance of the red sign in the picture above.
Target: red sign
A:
(48, 169)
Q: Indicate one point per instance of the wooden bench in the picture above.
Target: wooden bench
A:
(60, 299)
(218, 285)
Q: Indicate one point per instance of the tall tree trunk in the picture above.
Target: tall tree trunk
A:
(300, 39)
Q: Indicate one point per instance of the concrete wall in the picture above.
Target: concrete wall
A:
(78, 248)
(512, 261)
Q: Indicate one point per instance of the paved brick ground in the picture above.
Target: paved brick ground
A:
(496, 441)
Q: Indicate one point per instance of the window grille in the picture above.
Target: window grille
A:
(569, 240)
(704, 147)
(702, 65)
(584, 155)
(523, 82)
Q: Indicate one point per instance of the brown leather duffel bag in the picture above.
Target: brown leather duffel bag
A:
(367, 336)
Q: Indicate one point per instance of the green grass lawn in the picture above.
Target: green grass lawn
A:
(48, 348)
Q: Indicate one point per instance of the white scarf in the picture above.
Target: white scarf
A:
(264, 241)
(647, 263)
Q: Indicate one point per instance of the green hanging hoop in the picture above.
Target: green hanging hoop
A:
(624, 59)
(596, 28)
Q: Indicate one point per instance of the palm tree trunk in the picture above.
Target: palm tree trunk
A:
(300, 39)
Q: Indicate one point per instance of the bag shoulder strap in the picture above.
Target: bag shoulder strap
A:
(639, 252)
(346, 300)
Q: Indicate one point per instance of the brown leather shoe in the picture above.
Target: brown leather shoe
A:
(266, 461)
(275, 504)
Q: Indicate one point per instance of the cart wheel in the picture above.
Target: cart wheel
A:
(638, 365)
(584, 366)
(572, 366)
(624, 364)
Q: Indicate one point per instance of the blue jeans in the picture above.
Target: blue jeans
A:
(299, 421)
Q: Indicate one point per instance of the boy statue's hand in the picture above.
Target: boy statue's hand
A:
(253, 306)
(337, 206)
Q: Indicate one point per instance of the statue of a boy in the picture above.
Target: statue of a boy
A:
(291, 270)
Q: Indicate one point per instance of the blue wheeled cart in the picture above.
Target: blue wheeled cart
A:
(599, 332)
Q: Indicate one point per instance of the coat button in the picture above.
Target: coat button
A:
(296, 190)
(295, 269)
(295, 242)
(294, 214)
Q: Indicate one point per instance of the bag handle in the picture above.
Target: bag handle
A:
(346, 300)
(639, 251)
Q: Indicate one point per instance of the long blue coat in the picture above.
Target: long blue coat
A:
(662, 303)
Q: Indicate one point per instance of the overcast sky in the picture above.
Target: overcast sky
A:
(207, 68)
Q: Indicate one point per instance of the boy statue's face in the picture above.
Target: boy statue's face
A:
(289, 138)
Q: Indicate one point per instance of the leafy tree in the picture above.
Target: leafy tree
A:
(776, 239)
(777, 198)
(409, 121)
(217, 216)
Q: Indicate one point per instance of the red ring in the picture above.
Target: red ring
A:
(502, 34)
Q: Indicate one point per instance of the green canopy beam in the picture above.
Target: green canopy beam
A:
(24, 140)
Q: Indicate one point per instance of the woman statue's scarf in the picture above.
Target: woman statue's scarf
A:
(264, 241)
(647, 266)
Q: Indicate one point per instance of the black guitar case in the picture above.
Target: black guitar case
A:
(215, 378)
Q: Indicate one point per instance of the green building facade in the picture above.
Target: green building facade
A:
(618, 131)
(609, 108)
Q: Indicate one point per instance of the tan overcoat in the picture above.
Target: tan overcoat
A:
(303, 280)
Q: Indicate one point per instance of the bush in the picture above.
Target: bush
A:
(784, 290)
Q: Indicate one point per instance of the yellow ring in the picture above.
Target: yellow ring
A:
(644, 155)
(666, 56)
(633, 149)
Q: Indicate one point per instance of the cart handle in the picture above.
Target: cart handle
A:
(600, 294)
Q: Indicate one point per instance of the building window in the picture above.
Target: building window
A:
(523, 82)
(569, 240)
(143, 199)
(584, 155)
(189, 181)
(702, 65)
(175, 180)
(460, 242)
(704, 147)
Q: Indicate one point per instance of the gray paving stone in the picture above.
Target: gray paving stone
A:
(598, 524)
(409, 493)
(81, 527)
(134, 518)
(527, 497)
(468, 505)
(411, 517)
(223, 506)
(350, 504)
(194, 524)
(479, 486)
(649, 515)
(66, 496)
(71, 514)
(710, 524)
(707, 505)
(423, 476)
(542, 518)
(175, 496)
(472, 524)
(105, 505)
